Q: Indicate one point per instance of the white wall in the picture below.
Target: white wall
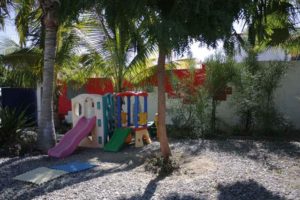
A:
(287, 100)
(269, 54)
(226, 112)
(152, 106)
(287, 97)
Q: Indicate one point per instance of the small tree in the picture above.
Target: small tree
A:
(246, 94)
(255, 86)
(172, 26)
(219, 72)
(267, 117)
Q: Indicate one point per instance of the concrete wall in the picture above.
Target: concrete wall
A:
(272, 53)
(287, 100)
(152, 106)
(287, 97)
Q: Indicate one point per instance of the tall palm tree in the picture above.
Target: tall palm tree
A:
(48, 16)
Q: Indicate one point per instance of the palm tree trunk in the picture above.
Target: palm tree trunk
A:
(46, 136)
(161, 76)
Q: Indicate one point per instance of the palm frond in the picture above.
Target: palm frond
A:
(23, 58)
(292, 45)
(27, 20)
(8, 46)
(4, 7)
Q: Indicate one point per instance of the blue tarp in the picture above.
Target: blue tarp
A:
(20, 98)
(73, 167)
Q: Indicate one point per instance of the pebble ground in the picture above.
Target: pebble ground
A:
(209, 169)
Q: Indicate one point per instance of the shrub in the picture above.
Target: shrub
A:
(158, 165)
(220, 71)
(12, 135)
(183, 121)
(254, 97)
(28, 139)
(203, 112)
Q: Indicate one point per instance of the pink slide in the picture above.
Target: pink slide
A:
(72, 138)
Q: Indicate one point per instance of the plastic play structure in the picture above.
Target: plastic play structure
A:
(93, 123)
(139, 116)
(73, 137)
(91, 115)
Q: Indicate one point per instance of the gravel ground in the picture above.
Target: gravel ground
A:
(210, 169)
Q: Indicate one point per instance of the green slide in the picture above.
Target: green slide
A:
(117, 140)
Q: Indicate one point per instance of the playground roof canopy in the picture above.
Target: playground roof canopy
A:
(132, 93)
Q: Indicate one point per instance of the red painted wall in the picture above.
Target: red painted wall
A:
(102, 86)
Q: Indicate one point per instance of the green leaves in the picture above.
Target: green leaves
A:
(20, 67)
(118, 47)
(219, 72)
(255, 86)
(270, 22)
(4, 5)
(12, 122)
(27, 19)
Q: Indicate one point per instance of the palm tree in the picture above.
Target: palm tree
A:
(40, 21)
(21, 66)
(46, 136)
(117, 47)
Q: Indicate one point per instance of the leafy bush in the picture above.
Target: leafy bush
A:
(183, 117)
(28, 138)
(158, 165)
(254, 87)
(220, 71)
(254, 97)
(269, 120)
(14, 140)
(207, 120)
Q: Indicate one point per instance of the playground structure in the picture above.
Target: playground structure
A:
(94, 105)
(139, 116)
(93, 124)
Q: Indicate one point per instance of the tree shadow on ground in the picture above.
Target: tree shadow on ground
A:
(264, 152)
(177, 196)
(9, 161)
(150, 189)
(123, 161)
(246, 190)
(246, 148)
